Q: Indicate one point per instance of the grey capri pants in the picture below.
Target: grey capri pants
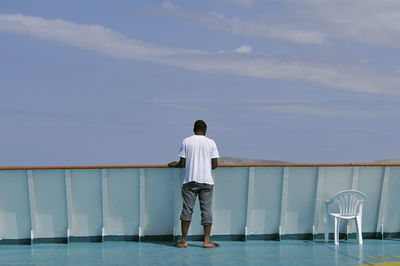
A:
(189, 193)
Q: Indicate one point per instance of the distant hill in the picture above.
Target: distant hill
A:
(234, 160)
(388, 161)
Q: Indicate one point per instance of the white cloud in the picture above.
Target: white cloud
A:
(92, 37)
(311, 21)
(368, 21)
(114, 44)
(350, 109)
(235, 25)
(244, 49)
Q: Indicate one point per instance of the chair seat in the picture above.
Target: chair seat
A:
(343, 216)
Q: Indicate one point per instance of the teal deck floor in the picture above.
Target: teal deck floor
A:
(288, 252)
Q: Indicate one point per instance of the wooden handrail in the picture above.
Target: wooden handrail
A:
(222, 165)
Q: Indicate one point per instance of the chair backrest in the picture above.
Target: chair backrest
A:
(350, 201)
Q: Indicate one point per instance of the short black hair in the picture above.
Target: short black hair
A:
(200, 125)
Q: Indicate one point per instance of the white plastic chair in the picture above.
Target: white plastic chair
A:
(350, 207)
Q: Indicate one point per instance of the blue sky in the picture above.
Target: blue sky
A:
(121, 82)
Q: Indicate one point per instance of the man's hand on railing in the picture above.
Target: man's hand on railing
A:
(173, 164)
(180, 164)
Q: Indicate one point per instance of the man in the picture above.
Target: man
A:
(198, 154)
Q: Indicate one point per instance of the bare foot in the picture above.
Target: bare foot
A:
(210, 245)
(181, 245)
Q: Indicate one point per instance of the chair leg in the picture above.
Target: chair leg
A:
(359, 229)
(337, 223)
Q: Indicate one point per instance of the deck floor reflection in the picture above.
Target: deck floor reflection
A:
(288, 252)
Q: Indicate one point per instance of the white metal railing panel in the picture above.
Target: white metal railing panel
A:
(230, 200)
(50, 198)
(335, 179)
(370, 183)
(14, 205)
(301, 199)
(392, 213)
(265, 214)
(123, 202)
(160, 205)
(87, 216)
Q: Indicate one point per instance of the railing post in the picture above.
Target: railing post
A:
(383, 202)
(326, 220)
(178, 202)
(318, 200)
(104, 189)
(250, 193)
(142, 199)
(214, 174)
(32, 204)
(68, 193)
(354, 186)
(356, 174)
(284, 195)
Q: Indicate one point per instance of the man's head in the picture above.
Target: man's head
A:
(200, 127)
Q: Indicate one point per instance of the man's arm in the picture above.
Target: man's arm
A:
(180, 164)
(214, 163)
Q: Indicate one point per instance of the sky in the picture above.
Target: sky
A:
(99, 82)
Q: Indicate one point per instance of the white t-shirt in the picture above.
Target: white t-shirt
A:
(198, 151)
